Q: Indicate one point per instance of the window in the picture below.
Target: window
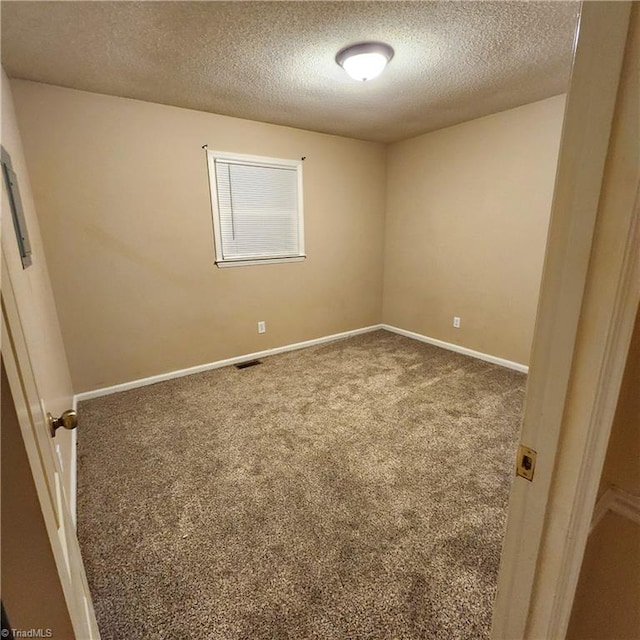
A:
(257, 209)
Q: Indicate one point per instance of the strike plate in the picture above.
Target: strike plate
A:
(526, 462)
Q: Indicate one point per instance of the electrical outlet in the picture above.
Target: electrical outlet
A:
(456, 322)
(262, 326)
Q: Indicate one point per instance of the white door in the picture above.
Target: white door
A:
(45, 467)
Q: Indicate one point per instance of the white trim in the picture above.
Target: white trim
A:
(143, 382)
(260, 161)
(223, 264)
(213, 193)
(73, 471)
(618, 501)
(627, 505)
(301, 247)
(603, 506)
(73, 474)
(509, 364)
(218, 364)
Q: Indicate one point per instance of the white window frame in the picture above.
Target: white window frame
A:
(260, 161)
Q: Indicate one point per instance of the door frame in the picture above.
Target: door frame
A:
(588, 301)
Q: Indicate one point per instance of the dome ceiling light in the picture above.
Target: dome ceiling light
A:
(365, 60)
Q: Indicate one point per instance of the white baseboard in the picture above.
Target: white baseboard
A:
(73, 472)
(170, 375)
(73, 480)
(143, 382)
(618, 501)
(458, 349)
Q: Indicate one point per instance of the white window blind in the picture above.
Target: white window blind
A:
(257, 209)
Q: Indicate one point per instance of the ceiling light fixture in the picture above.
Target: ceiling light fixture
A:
(365, 60)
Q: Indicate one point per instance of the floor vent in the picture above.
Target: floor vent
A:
(248, 363)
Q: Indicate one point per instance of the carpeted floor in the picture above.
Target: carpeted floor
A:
(353, 490)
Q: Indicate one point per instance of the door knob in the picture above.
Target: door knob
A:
(68, 420)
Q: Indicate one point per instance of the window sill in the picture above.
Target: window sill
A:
(223, 264)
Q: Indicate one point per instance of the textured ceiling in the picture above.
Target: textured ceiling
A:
(274, 61)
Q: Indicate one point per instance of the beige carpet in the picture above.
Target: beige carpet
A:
(354, 490)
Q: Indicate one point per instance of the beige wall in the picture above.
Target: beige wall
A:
(466, 223)
(122, 194)
(33, 292)
(123, 200)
